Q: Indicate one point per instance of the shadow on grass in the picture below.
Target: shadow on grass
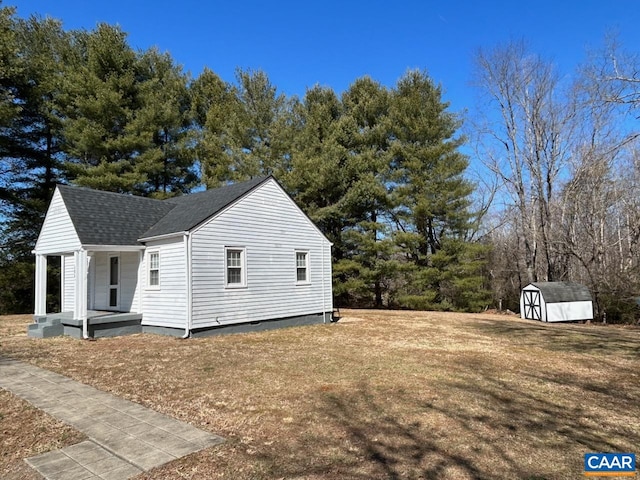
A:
(393, 446)
(471, 424)
(571, 338)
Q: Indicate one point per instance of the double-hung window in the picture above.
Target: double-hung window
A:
(154, 269)
(235, 268)
(302, 267)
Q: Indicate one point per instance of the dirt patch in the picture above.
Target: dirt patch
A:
(380, 394)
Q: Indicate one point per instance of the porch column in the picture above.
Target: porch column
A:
(41, 286)
(141, 283)
(80, 304)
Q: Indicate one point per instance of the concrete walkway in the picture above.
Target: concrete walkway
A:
(125, 438)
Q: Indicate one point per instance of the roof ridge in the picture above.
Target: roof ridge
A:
(257, 180)
(118, 194)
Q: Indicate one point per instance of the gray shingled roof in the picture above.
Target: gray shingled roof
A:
(557, 292)
(191, 210)
(106, 218)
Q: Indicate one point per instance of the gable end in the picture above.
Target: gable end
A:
(58, 233)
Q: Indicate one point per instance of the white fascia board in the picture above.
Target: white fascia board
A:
(113, 248)
(162, 237)
(54, 253)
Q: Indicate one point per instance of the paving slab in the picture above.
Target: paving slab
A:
(125, 438)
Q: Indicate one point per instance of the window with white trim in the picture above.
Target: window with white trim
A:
(235, 268)
(154, 270)
(302, 266)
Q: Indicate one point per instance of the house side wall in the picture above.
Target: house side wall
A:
(140, 284)
(166, 305)
(271, 228)
(58, 234)
(68, 283)
(569, 311)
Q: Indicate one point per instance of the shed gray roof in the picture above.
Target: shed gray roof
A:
(558, 292)
(106, 218)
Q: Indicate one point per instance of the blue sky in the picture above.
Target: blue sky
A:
(331, 43)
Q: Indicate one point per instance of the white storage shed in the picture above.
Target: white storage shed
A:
(556, 302)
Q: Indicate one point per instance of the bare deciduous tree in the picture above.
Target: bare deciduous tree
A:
(525, 141)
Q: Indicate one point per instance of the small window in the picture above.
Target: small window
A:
(235, 267)
(113, 271)
(302, 267)
(154, 269)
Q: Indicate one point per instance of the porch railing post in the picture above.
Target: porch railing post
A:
(80, 304)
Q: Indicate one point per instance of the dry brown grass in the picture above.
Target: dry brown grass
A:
(378, 395)
(25, 432)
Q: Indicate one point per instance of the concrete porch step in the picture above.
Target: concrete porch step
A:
(45, 330)
(50, 320)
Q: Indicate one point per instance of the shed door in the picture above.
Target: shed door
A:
(532, 306)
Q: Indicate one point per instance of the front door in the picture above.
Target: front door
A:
(114, 282)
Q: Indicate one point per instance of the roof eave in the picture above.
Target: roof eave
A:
(113, 248)
(164, 236)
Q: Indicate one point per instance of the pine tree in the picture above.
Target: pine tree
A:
(214, 109)
(319, 156)
(164, 164)
(33, 51)
(260, 127)
(364, 272)
(101, 101)
(431, 194)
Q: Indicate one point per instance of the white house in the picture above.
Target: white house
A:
(241, 257)
(556, 302)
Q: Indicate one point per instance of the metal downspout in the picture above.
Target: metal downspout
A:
(82, 272)
(187, 248)
(324, 307)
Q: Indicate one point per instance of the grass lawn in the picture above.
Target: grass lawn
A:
(378, 395)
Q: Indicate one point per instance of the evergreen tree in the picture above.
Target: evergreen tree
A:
(319, 156)
(164, 165)
(365, 270)
(259, 128)
(431, 195)
(29, 146)
(214, 109)
(101, 101)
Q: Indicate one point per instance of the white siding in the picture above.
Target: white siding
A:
(166, 306)
(136, 299)
(271, 228)
(559, 311)
(569, 311)
(128, 281)
(543, 308)
(100, 279)
(68, 283)
(58, 235)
